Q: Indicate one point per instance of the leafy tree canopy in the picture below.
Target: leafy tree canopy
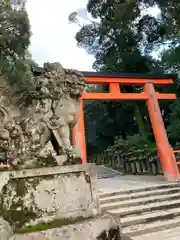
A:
(125, 37)
(14, 41)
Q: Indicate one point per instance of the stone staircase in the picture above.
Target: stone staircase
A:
(145, 210)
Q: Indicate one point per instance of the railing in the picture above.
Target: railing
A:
(129, 164)
(177, 154)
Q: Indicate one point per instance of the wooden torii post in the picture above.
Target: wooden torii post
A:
(114, 81)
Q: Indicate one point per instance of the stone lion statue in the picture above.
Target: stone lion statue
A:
(52, 115)
(58, 99)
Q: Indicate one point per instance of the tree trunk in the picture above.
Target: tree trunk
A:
(140, 123)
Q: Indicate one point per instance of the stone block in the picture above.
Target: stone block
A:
(57, 195)
(5, 230)
(101, 228)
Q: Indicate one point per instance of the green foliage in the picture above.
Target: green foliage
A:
(121, 36)
(14, 29)
(134, 146)
(14, 42)
(171, 59)
(174, 126)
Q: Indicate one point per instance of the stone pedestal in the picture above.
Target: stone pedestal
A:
(60, 195)
(54, 203)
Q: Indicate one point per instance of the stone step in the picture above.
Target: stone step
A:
(140, 229)
(149, 217)
(164, 205)
(139, 201)
(168, 234)
(123, 197)
(145, 210)
(138, 190)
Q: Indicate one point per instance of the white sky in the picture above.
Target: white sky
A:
(53, 38)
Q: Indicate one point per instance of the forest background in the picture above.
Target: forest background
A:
(124, 37)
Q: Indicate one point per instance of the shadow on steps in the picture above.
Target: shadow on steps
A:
(112, 234)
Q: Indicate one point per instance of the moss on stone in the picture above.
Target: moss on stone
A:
(33, 182)
(19, 218)
(19, 186)
(41, 162)
(17, 214)
(50, 161)
(49, 225)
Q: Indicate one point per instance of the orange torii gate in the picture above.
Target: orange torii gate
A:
(114, 81)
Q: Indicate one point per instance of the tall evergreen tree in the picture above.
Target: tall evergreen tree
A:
(14, 41)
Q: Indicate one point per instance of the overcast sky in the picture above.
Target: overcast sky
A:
(53, 37)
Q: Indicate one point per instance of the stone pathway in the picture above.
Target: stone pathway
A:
(110, 180)
(104, 172)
